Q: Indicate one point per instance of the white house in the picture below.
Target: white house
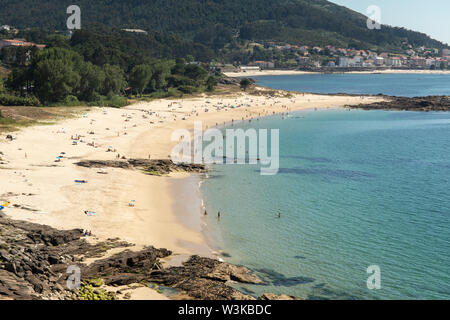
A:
(249, 68)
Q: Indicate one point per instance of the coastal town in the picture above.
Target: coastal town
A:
(315, 58)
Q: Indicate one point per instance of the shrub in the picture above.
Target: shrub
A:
(71, 101)
(172, 92)
(11, 100)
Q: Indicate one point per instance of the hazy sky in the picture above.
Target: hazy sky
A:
(431, 17)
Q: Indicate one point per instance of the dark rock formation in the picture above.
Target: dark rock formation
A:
(153, 167)
(29, 253)
(126, 267)
(206, 279)
(431, 103)
(34, 261)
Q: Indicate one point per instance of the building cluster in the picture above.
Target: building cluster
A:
(9, 29)
(332, 57)
(413, 60)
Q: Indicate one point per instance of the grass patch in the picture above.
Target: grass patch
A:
(103, 101)
(14, 118)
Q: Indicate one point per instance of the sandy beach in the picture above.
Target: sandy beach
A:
(167, 212)
(298, 72)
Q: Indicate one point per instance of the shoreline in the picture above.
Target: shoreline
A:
(299, 72)
(43, 191)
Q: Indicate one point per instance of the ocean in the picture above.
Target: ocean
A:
(355, 189)
(407, 85)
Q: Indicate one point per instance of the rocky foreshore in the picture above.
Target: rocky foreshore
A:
(152, 167)
(430, 103)
(35, 261)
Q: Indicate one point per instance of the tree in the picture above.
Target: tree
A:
(114, 80)
(92, 79)
(245, 83)
(54, 80)
(190, 58)
(70, 57)
(2, 86)
(161, 71)
(140, 77)
(195, 72)
(179, 67)
(22, 54)
(55, 74)
(211, 83)
(18, 80)
(8, 54)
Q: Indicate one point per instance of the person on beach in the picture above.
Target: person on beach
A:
(218, 215)
(206, 213)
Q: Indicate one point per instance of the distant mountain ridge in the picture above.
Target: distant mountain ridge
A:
(216, 23)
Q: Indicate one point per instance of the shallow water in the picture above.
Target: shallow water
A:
(355, 188)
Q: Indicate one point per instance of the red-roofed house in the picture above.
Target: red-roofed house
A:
(19, 43)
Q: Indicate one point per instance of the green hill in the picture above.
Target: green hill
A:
(216, 23)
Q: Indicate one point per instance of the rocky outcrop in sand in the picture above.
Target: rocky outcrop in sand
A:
(207, 279)
(153, 167)
(34, 258)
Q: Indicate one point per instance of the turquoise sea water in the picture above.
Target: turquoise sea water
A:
(355, 189)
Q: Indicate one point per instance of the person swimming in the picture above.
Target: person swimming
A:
(218, 215)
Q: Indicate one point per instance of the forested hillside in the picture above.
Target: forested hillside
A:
(101, 63)
(217, 22)
(100, 67)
